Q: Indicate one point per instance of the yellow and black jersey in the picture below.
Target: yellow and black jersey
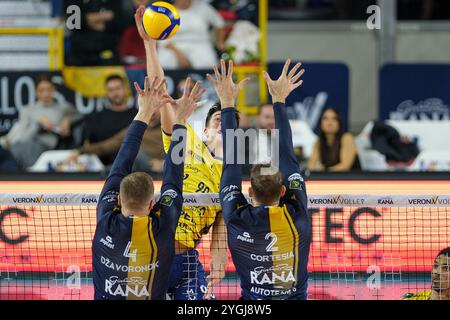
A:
(269, 245)
(132, 255)
(424, 295)
(202, 172)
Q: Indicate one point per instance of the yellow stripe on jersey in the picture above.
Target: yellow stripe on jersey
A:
(283, 245)
(424, 295)
(141, 252)
(296, 236)
(202, 173)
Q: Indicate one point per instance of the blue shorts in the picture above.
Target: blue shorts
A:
(188, 278)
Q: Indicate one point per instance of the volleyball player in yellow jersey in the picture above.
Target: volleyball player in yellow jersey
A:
(202, 173)
(440, 280)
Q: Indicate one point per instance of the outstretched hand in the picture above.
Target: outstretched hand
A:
(151, 98)
(187, 104)
(287, 82)
(138, 16)
(226, 89)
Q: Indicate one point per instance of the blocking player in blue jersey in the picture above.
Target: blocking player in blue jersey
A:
(270, 238)
(134, 242)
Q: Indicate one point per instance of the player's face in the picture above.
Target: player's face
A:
(266, 119)
(214, 128)
(330, 123)
(115, 92)
(440, 276)
(45, 91)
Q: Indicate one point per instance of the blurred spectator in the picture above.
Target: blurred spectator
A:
(40, 125)
(96, 42)
(191, 47)
(335, 150)
(103, 131)
(131, 47)
(265, 123)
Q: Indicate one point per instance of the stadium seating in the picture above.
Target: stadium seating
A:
(22, 35)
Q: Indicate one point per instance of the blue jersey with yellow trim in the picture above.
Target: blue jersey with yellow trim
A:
(269, 245)
(132, 255)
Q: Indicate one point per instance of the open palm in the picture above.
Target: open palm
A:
(281, 88)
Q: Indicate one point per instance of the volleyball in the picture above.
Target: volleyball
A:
(161, 20)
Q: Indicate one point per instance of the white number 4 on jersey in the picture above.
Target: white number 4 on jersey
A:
(128, 254)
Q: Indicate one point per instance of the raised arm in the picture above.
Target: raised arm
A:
(154, 68)
(227, 91)
(150, 100)
(279, 90)
(172, 188)
(231, 181)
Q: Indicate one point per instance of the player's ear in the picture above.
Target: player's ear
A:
(250, 192)
(119, 201)
(282, 191)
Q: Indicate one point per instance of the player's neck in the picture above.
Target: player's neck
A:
(444, 295)
(257, 204)
(128, 213)
(216, 147)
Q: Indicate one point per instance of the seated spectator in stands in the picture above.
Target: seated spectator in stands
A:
(191, 47)
(40, 126)
(104, 130)
(131, 47)
(97, 40)
(265, 122)
(335, 150)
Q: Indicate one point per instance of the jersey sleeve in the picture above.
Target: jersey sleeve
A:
(171, 200)
(231, 182)
(289, 167)
(121, 167)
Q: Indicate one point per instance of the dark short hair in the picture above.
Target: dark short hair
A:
(43, 78)
(113, 77)
(216, 108)
(136, 189)
(444, 252)
(266, 188)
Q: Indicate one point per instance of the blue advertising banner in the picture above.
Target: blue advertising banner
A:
(325, 85)
(415, 92)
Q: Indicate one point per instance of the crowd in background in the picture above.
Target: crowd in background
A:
(108, 36)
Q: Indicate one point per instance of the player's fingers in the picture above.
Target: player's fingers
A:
(199, 94)
(152, 86)
(138, 89)
(216, 73)
(223, 68)
(294, 70)
(187, 87)
(297, 76)
(242, 84)
(195, 89)
(286, 67)
(211, 79)
(159, 86)
(267, 77)
(298, 84)
(230, 69)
